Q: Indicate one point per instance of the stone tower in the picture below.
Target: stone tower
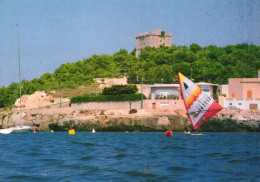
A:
(154, 38)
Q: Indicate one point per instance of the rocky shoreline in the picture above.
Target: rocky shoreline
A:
(63, 119)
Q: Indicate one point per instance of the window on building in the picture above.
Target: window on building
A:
(164, 103)
(205, 89)
(164, 93)
(249, 94)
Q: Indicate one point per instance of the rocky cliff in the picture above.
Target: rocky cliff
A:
(63, 119)
(101, 120)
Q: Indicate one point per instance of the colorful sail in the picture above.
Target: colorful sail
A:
(200, 107)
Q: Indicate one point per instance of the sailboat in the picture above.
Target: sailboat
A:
(200, 107)
(21, 127)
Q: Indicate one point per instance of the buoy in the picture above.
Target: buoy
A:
(52, 131)
(72, 132)
(34, 131)
(93, 130)
(168, 133)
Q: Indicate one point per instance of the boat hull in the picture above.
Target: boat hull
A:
(6, 131)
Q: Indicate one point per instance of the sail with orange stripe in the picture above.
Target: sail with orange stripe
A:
(200, 107)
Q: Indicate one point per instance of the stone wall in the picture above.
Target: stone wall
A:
(107, 105)
(165, 104)
(107, 82)
(147, 104)
(242, 103)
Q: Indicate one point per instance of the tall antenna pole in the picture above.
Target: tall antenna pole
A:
(60, 94)
(142, 94)
(19, 74)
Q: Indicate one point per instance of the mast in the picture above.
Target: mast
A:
(19, 74)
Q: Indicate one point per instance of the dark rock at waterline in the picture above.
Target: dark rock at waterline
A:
(64, 119)
(156, 123)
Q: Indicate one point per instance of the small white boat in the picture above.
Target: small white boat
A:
(21, 129)
(15, 129)
(6, 131)
(187, 133)
(93, 130)
(18, 128)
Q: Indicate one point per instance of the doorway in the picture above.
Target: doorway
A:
(253, 106)
(154, 106)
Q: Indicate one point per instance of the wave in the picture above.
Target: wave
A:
(178, 168)
(213, 154)
(86, 158)
(120, 156)
(255, 159)
(85, 144)
(139, 174)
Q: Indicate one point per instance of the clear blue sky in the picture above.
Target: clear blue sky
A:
(53, 32)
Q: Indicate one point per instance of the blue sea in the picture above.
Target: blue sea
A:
(123, 156)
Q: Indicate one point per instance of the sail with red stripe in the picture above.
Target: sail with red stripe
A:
(200, 107)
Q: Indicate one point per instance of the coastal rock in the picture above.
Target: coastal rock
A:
(63, 119)
(163, 120)
(39, 99)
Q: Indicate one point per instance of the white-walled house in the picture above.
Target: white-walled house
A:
(243, 93)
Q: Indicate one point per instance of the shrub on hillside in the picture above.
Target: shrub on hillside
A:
(132, 111)
(106, 98)
(120, 89)
(227, 125)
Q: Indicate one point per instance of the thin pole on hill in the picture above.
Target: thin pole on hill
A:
(142, 94)
(19, 74)
(60, 94)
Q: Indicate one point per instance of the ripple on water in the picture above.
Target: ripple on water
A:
(139, 174)
(27, 178)
(237, 161)
(213, 154)
(120, 149)
(120, 155)
(181, 169)
(226, 155)
(115, 156)
(86, 158)
(84, 144)
(255, 159)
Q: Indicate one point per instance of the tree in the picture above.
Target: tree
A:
(120, 89)
(195, 48)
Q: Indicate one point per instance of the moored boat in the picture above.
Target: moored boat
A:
(6, 131)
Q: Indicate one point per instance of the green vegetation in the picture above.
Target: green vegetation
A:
(133, 111)
(106, 98)
(227, 125)
(154, 65)
(120, 89)
(113, 93)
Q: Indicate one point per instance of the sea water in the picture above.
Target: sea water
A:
(127, 156)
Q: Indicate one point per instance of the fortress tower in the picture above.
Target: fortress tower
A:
(154, 38)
